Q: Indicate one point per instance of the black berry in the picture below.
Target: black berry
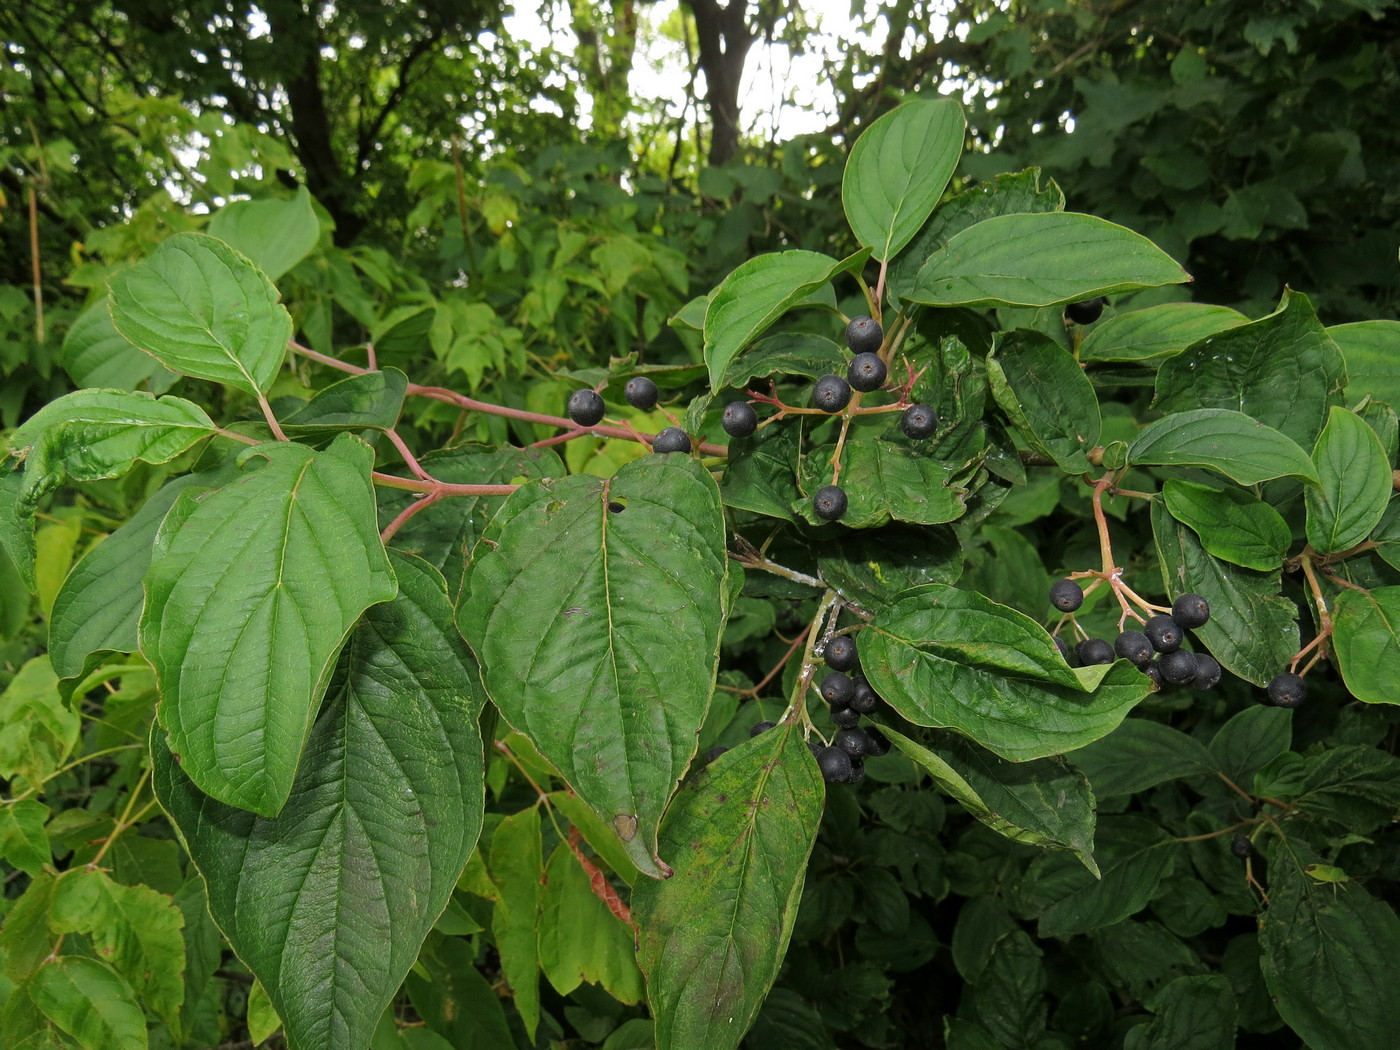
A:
(840, 653)
(585, 407)
(1191, 611)
(711, 755)
(641, 393)
(1208, 671)
(1154, 672)
(835, 765)
(1086, 311)
(1134, 646)
(1066, 595)
(864, 699)
(672, 439)
(879, 743)
(918, 422)
(1241, 846)
(857, 772)
(1178, 666)
(845, 717)
(1064, 648)
(740, 420)
(830, 503)
(1094, 651)
(855, 742)
(1287, 690)
(837, 689)
(1163, 632)
(864, 335)
(866, 372)
(831, 394)
(761, 727)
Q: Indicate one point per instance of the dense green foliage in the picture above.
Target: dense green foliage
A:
(364, 685)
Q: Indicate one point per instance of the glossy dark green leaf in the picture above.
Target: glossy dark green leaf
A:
(1043, 259)
(1372, 353)
(95, 354)
(897, 170)
(872, 567)
(1047, 396)
(1250, 739)
(1230, 524)
(1354, 483)
(1044, 802)
(247, 604)
(1134, 856)
(329, 901)
(1282, 370)
(883, 481)
(274, 234)
(567, 604)
(795, 354)
(1140, 754)
(950, 658)
(1252, 631)
(1156, 332)
(1236, 445)
(1329, 952)
(1192, 1013)
(90, 1002)
(370, 400)
(711, 939)
(203, 310)
(760, 474)
(1366, 638)
(1008, 570)
(1354, 786)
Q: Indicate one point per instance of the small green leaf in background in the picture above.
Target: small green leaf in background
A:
(897, 170)
(1329, 955)
(580, 939)
(1041, 259)
(203, 310)
(951, 658)
(883, 481)
(1354, 786)
(1230, 524)
(1372, 353)
(1192, 1013)
(1047, 396)
(1366, 639)
(95, 354)
(90, 1002)
(1252, 631)
(262, 1015)
(1250, 740)
(1044, 802)
(760, 473)
(1283, 370)
(711, 939)
(1354, 484)
(755, 295)
(274, 234)
(517, 869)
(328, 902)
(1009, 995)
(1232, 443)
(1156, 332)
(37, 729)
(23, 844)
(249, 601)
(1140, 754)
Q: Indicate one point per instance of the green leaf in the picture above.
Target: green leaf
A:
(756, 294)
(460, 1007)
(328, 902)
(1236, 445)
(1047, 396)
(1366, 638)
(1250, 740)
(1140, 754)
(133, 928)
(247, 603)
(37, 729)
(711, 938)
(795, 353)
(1192, 1013)
(898, 169)
(760, 474)
(1045, 802)
(1252, 631)
(1372, 353)
(1009, 995)
(1230, 524)
(1328, 956)
(1282, 370)
(875, 565)
(1354, 786)
(23, 844)
(1042, 259)
(1134, 856)
(517, 869)
(883, 481)
(1354, 483)
(262, 1015)
(373, 399)
(95, 354)
(90, 1002)
(596, 833)
(274, 234)
(203, 310)
(951, 658)
(608, 591)
(1156, 332)
(580, 939)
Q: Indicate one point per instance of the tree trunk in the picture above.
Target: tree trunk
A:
(725, 40)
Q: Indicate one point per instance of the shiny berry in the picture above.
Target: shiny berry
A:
(1066, 595)
(672, 439)
(918, 422)
(740, 420)
(1191, 611)
(840, 653)
(641, 393)
(585, 407)
(831, 394)
(1086, 311)
(829, 503)
(866, 372)
(864, 335)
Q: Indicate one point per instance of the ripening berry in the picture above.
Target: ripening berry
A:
(1208, 672)
(879, 743)
(831, 394)
(835, 765)
(864, 699)
(1094, 651)
(918, 422)
(1241, 846)
(1134, 646)
(761, 727)
(1178, 666)
(672, 439)
(855, 742)
(829, 503)
(1191, 611)
(1066, 595)
(837, 689)
(1086, 311)
(845, 717)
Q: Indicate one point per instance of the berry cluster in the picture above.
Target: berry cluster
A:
(849, 697)
(1155, 650)
(586, 409)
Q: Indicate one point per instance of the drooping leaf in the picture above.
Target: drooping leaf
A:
(95, 354)
(517, 868)
(1236, 445)
(1230, 524)
(950, 658)
(580, 939)
(274, 234)
(897, 170)
(1041, 259)
(1140, 754)
(1366, 638)
(711, 939)
(1354, 483)
(329, 901)
(1372, 353)
(203, 310)
(1047, 396)
(1044, 802)
(1156, 332)
(610, 589)
(1282, 370)
(90, 1002)
(1252, 630)
(883, 481)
